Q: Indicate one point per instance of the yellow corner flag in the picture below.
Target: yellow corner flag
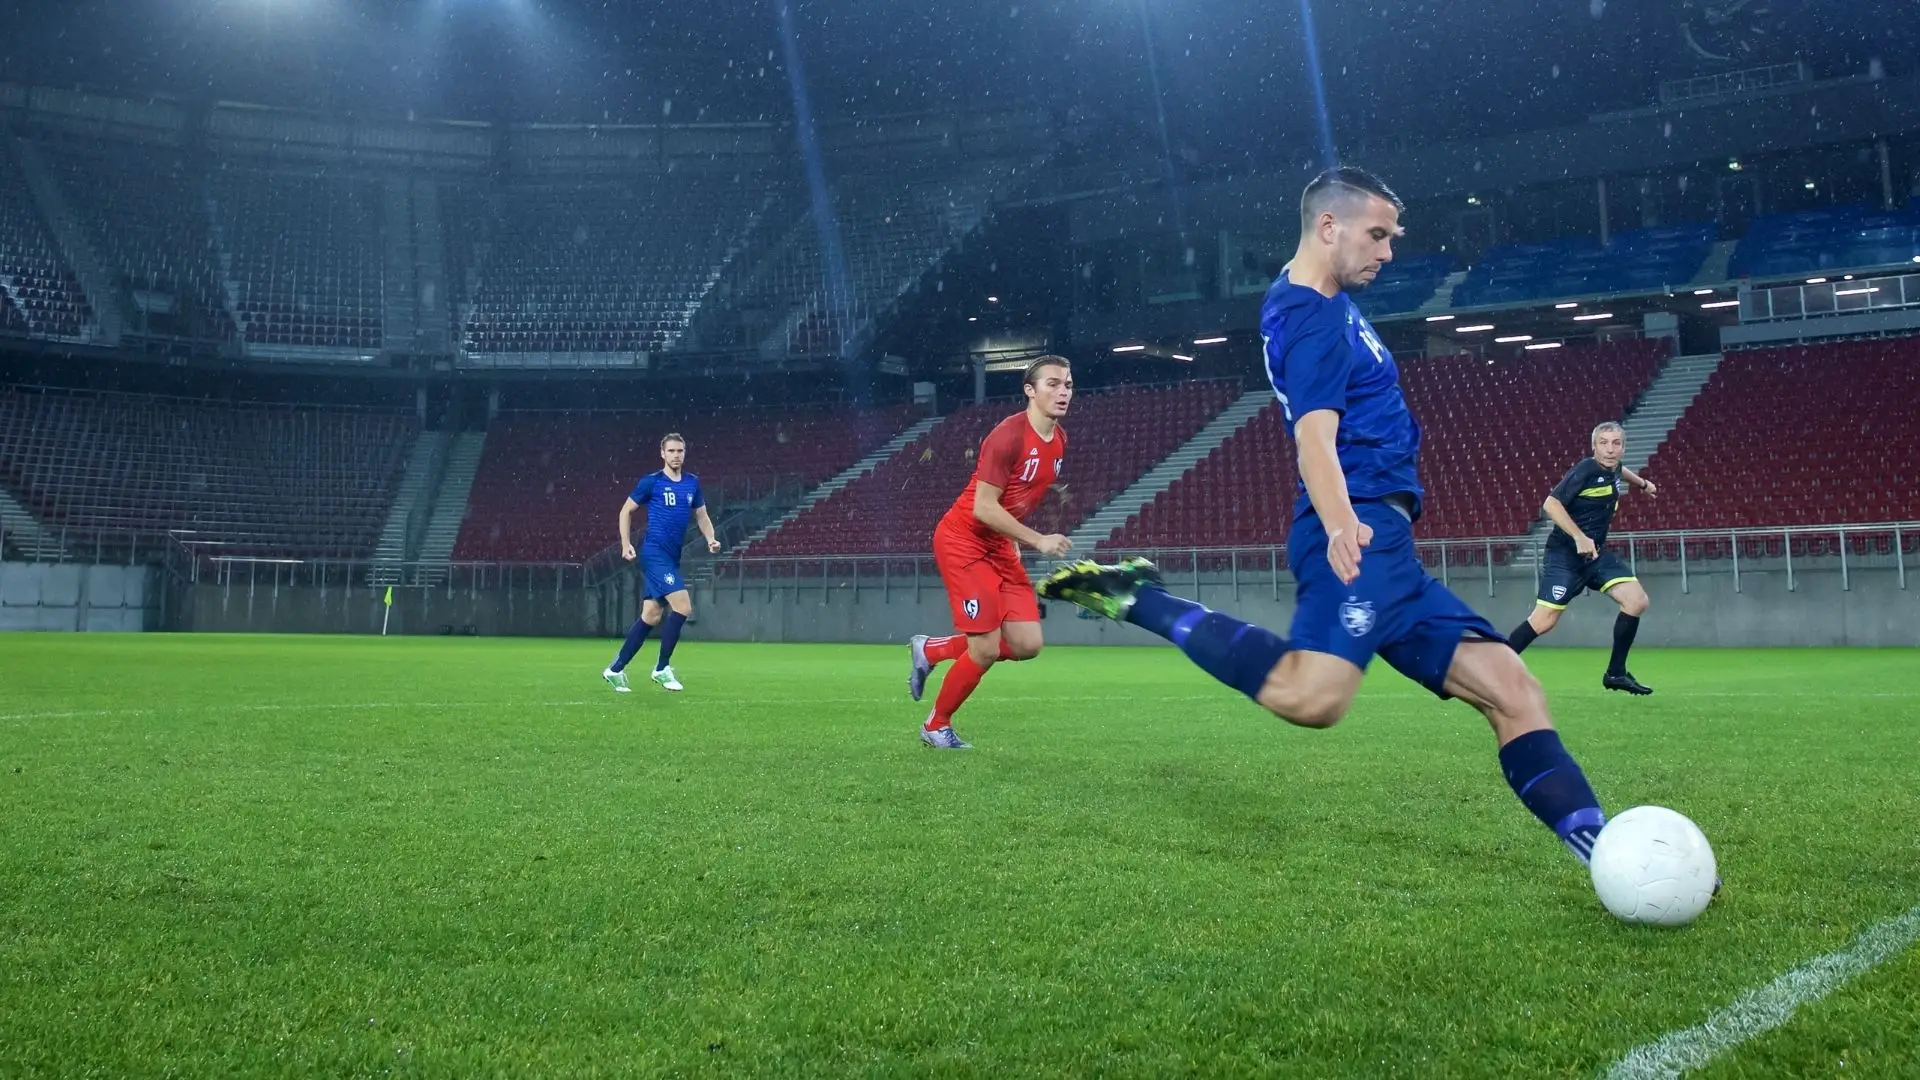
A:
(389, 600)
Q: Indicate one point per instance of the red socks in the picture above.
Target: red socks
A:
(961, 678)
(941, 649)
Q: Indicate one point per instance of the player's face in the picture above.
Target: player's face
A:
(1363, 242)
(674, 454)
(1052, 391)
(1608, 448)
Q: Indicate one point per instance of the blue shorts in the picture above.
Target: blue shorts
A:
(1394, 608)
(661, 572)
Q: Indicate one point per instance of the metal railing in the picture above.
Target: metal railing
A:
(1487, 562)
(1835, 295)
(210, 563)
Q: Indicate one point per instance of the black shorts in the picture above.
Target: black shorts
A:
(1565, 575)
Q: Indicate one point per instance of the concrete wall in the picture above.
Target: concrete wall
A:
(69, 596)
(1872, 611)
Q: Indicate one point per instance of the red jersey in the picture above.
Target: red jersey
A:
(1015, 459)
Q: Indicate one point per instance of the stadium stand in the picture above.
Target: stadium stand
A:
(42, 294)
(892, 231)
(259, 479)
(596, 267)
(550, 485)
(305, 257)
(1406, 283)
(1835, 238)
(1114, 437)
(1575, 266)
(1494, 439)
(145, 212)
(1805, 435)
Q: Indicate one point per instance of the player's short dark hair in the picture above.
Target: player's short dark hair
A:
(1340, 183)
(1032, 376)
(672, 436)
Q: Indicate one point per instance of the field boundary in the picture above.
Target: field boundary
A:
(1757, 1012)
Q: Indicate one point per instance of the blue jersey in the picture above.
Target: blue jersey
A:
(1323, 354)
(670, 505)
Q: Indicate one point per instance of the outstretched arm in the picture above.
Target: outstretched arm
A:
(1314, 434)
(988, 511)
(705, 522)
(1557, 510)
(626, 530)
(1638, 481)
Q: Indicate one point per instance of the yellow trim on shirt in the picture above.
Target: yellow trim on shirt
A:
(1600, 492)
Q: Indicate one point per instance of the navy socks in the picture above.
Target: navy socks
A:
(669, 637)
(1550, 783)
(1238, 654)
(636, 637)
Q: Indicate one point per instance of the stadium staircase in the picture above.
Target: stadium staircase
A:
(1713, 269)
(23, 535)
(411, 499)
(450, 500)
(848, 475)
(1648, 424)
(1114, 514)
(398, 321)
(96, 280)
(1442, 297)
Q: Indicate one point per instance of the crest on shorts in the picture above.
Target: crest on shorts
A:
(1357, 616)
(972, 608)
(1559, 592)
(669, 579)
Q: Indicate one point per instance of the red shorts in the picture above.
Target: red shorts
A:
(987, 589)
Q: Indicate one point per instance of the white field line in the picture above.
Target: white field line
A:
(1757, 1012)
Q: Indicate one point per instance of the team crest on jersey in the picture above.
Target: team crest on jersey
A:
(1357, 616)
(972, 608)
(1559, 592)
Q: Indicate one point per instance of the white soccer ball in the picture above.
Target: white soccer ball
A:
(1653, 866)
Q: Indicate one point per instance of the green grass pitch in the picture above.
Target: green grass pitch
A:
(431, 857)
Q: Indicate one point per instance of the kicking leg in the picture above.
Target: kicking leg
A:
(1539, 623)
(1312, 689)
(1632, 599)
(1492, 678)
(680, 608)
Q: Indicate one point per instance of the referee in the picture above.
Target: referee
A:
(1582, 508)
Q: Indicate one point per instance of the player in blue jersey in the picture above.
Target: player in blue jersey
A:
(672, 498)
(1356, 444)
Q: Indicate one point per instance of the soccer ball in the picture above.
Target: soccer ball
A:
(1653, 866)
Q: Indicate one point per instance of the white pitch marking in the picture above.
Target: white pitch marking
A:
(1757, 1012)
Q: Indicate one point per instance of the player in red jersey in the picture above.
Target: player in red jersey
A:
(994, 607)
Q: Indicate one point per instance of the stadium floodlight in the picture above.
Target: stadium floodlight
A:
(1178, 356)
(1703, 292)
(1538, 345)
(1439, 318)
(1474, 329)
(1719, 304)
(1512, 339)
(1129, 348)
(1854, 292)
(1595, 317)
(1916, 258)
(973, 318)
(1565, 306)
(1218, 340)
(993, 299)
(1816, 281)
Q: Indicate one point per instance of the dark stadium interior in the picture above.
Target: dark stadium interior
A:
(475, 221)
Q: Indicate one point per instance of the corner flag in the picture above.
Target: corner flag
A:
(387, 615)
(389, 600)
